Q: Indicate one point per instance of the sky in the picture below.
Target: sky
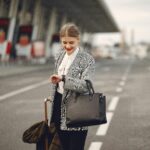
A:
(130, 15)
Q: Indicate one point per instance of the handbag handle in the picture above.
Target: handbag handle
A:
(90, 86)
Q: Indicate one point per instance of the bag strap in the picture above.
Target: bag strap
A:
(90, 86)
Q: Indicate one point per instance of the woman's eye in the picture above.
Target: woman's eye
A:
(64, 42)
(71, 42)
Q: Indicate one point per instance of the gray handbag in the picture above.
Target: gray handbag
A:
(85, 109)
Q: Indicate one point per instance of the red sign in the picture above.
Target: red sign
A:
(4, 22)
(4, 25)
(24, 35)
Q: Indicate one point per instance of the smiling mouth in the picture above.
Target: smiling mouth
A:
(69, 49)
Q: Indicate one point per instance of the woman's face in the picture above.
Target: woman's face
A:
(69, 44)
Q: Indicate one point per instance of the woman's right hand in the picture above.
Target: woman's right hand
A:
(55, 79)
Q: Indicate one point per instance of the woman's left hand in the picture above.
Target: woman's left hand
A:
(55, 79)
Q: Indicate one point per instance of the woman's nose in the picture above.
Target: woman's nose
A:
(67, 46)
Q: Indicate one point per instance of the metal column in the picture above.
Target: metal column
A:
(12, 14)
(23, 12)
(51, 30)
(36, 19)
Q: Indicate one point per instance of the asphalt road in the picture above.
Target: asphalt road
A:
(125, 82)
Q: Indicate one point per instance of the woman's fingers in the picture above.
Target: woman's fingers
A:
(55, 79)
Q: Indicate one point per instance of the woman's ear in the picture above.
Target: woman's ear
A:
(78, 38)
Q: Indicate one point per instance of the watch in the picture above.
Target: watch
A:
(63, 78)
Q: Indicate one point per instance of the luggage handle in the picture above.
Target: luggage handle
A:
(45, 108)
(46, 118)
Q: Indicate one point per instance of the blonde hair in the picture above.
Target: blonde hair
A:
(70, 30)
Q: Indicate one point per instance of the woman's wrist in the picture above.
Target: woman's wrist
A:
(63, 78)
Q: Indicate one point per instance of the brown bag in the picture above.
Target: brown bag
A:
(35, 133)
(43, 135)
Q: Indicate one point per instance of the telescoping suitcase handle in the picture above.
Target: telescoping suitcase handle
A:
(45, 108)
(46, 118)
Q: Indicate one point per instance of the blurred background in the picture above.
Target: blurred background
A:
(115, 32)
(29, 30)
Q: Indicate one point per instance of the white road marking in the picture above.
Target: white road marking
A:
(13, 93)
(128, 70)
(95, 146)
(119, 89)
(124, 78)
(122, 83)
(102, 130)
(113, 104)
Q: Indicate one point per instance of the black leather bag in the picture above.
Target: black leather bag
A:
(85, 109)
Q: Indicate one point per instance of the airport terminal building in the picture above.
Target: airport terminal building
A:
(30, 28)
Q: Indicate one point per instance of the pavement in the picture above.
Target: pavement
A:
(125, 82)
(9, 69)
(14, 69)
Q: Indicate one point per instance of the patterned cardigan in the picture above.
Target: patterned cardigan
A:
(82, 68)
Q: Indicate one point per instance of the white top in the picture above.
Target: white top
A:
(64, 67)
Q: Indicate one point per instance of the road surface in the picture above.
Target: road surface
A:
(125, 82)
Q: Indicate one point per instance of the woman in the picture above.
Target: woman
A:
(72, 68)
